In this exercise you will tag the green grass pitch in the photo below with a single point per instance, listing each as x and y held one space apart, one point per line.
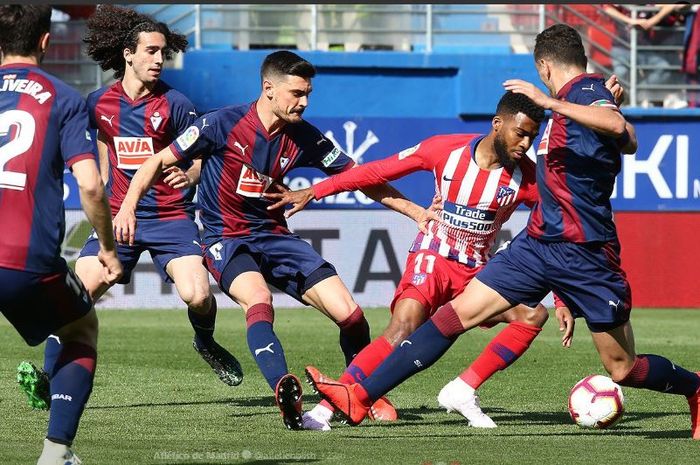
156 402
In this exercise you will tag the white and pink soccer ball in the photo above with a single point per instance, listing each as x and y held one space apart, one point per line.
596 402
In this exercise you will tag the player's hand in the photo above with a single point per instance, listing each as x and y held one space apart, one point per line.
566 325
518 86
297 199
177 178
111 267
124 226
615 88
432 213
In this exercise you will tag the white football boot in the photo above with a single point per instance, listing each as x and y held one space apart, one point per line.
458 396
318 418
57 454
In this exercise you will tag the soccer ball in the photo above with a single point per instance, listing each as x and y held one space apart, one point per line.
596 402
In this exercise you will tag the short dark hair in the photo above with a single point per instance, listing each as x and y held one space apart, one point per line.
286 63
562 44
512 104
21 27
111 29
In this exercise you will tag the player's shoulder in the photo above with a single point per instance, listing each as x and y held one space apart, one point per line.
62 91
589 89
173 95
95 96
528 167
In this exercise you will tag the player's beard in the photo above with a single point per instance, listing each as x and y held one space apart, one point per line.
499 144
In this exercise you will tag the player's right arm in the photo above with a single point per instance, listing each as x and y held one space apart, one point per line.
96 207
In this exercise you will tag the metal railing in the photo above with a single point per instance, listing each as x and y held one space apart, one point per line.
418 28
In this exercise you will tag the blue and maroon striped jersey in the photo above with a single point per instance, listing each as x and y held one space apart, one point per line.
241 160
135 130
576 171
43 127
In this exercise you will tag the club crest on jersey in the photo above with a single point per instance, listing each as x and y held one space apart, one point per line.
419 279
156 119
283 161
132 151
188 138
251 183
505 195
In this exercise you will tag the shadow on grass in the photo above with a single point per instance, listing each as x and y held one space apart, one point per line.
261 401
255 462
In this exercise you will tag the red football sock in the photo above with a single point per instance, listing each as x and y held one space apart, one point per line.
365 363
501 352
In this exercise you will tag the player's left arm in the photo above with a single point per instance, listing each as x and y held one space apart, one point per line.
603 119
391 198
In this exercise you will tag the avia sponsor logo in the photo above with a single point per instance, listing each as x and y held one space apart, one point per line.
463 217
251 183
132 151
24 86
65 397
665 174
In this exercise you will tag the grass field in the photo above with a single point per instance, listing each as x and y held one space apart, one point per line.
156 402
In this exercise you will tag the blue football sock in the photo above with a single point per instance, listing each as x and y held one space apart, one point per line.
418 352
71 385
660 374
52 349
267 352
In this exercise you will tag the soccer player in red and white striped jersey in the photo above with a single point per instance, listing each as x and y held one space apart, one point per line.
482 180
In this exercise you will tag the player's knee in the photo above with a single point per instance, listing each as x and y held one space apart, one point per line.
538 317
198 300
255 296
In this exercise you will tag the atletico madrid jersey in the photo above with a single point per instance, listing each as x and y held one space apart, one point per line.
476 201
133 131
43 127
576 171
241 161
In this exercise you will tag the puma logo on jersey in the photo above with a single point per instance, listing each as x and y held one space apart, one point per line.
588 88
267 348
613 304
109 120
240 147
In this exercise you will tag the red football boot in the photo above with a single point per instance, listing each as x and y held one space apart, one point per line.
694 402
339 395
383 410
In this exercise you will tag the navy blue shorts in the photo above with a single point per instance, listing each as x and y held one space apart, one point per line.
287 262
163 239
587 277
39 304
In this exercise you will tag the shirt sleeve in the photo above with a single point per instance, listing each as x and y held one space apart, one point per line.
75 139
206 135
182 113
600 96
377 172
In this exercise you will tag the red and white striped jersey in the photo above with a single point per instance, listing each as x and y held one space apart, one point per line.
477 201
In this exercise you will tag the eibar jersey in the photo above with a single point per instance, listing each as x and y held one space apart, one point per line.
476 201
576 171
241 161
43 127
135 130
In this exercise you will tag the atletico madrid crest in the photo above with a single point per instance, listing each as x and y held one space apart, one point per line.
505 195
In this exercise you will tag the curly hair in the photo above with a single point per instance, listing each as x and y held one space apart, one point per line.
512 104
111 29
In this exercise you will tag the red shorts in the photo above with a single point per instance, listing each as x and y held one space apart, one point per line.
432 280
